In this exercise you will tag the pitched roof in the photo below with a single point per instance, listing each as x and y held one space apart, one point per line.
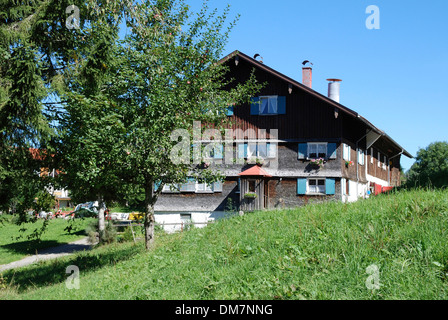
301 86
255 171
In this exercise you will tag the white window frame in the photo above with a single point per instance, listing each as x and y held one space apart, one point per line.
204 187
167 188
316 190
271 153
198 188
385 163
317 145
361 157
346 152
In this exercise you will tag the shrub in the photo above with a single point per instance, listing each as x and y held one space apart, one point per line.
109 235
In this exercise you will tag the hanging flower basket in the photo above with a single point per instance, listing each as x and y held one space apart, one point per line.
349 163
318 162
250 195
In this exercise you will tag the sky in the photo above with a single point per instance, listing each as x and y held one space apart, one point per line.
394 76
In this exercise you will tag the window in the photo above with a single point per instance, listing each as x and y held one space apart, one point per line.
170 188
371 155
251 185
361 157
214 151
257 150
203 186
192 186
379 159
385 163
316 186
317 150
345 186
346 152
268 105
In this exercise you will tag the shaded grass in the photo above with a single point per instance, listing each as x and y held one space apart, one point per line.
321 251
15 243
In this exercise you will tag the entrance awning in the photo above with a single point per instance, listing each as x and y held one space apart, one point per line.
255 171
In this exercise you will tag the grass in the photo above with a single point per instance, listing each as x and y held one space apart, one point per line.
321 251
15 242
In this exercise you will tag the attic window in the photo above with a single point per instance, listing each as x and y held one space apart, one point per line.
268 105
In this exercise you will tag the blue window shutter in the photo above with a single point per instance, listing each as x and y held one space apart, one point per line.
330 185
303 150
229 111
301 186
242 150
281 105
331 151
255 106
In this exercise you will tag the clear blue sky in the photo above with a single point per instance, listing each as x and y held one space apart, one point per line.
394 76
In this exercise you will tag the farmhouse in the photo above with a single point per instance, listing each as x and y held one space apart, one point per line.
293 145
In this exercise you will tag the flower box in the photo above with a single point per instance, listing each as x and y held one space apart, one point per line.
250 195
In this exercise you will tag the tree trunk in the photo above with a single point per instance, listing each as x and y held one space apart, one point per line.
149 216
101 220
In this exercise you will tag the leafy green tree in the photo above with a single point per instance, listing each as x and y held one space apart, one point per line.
167 78
431 167
37 54
44 201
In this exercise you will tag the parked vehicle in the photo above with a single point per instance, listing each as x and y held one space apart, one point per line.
88 209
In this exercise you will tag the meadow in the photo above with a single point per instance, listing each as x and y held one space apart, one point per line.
389 247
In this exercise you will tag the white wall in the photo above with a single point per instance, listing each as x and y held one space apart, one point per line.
356 191
172 221
376 180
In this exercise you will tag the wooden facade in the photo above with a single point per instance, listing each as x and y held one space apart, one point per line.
308 118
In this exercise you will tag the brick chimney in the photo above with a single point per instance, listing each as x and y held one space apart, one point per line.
307 74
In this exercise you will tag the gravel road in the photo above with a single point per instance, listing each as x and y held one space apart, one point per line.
50 253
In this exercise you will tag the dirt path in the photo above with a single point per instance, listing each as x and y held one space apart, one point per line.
50 253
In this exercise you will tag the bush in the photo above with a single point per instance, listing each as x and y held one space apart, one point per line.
109 235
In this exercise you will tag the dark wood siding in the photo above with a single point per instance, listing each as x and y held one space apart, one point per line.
306 116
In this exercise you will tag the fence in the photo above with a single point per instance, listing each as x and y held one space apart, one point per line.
182 224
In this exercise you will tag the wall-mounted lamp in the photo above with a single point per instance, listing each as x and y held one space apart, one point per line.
336 113
237 60
290 88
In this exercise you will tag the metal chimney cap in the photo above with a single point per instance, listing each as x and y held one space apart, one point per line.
334 80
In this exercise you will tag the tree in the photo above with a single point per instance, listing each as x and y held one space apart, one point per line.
89 128
431 167
169 77
37 54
